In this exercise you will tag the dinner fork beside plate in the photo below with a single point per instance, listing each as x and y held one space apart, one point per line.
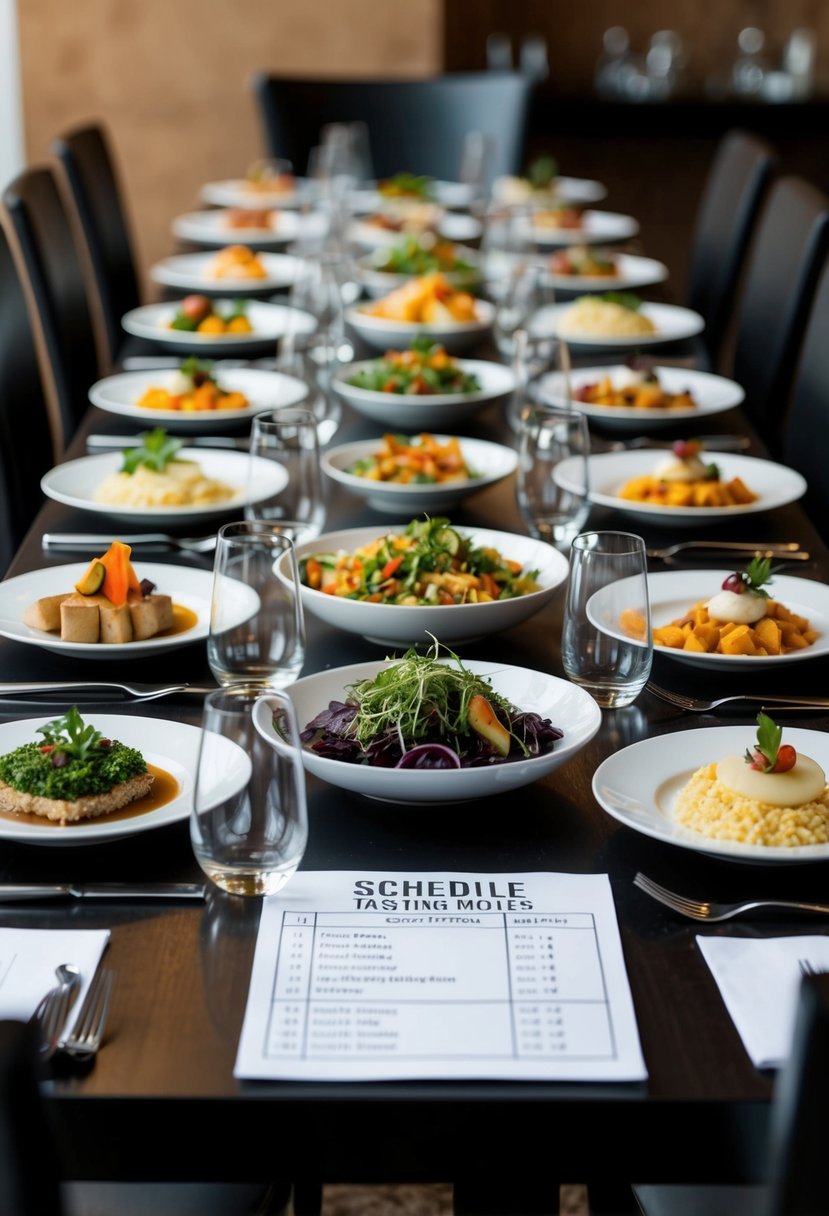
788 551
699 909
747 701
88 542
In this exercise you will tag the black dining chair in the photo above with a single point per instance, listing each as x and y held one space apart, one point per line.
59 283
413 125
87 161
796 1147
807 420
735 187
784 263
27 441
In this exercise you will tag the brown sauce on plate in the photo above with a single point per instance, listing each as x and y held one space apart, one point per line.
166 787
183 619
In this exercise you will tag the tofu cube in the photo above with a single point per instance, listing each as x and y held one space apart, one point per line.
116 623
80 619
151 614
45 613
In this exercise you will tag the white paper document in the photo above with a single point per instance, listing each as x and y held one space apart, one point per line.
28 958
759 981
378 976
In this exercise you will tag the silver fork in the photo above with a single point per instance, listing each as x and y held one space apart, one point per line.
88 1032
139 692
789 551
697 909
749 701
88 542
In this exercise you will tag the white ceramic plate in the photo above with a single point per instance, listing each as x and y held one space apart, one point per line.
638 786
775 485
459 336
713 394
673 324
491 461
566 705
189 588
579 190
193 272
269 321
168 745
674 592
598 227
212 228
631 272
236 192
74 483
452 226
397 411
400 625
456 195
264 390
381 282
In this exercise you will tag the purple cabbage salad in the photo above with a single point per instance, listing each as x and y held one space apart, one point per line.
426 714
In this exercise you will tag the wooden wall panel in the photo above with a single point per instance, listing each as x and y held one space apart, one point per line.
169 78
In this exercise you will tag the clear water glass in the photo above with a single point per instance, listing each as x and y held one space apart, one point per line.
289 437
526 290
257 628
553 498
606 641
249 824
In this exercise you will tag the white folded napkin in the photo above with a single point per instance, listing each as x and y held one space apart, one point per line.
759 981
28 958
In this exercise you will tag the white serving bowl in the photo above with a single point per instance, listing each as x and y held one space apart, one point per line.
458 336
566 705
491 461
410 412
395 625
269 321
379 282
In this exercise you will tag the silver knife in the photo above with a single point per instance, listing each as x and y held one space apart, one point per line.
14 892
115 443
95 543
710 443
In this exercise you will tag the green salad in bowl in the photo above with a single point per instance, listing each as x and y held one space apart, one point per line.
424 370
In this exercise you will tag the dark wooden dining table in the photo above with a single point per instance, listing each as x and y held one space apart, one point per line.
161 1101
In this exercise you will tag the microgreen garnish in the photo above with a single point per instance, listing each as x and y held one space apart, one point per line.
156 451
758 572
541 172
767 746
71 735
199 370
625 299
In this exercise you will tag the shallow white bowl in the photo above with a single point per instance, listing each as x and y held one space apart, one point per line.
74 483
380 282
398 411
269 321
491 461
212 228
598 227
264 390
638 786
190 588
566 705
401 625
713 394
456 195
673 324
236 192
775 484
192 272
459 336
562 189
452 227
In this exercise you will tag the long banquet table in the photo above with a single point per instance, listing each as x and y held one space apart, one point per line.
161 1101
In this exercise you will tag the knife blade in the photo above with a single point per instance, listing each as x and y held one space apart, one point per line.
115 443
15 892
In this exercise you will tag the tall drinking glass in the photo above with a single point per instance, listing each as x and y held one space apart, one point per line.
552 484
257 629
249 825
289 437
606 641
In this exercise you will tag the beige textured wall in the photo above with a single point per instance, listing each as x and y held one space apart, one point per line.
169 78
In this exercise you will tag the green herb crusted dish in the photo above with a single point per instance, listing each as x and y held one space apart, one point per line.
73 773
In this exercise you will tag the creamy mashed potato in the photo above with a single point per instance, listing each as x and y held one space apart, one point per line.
603 318
182 484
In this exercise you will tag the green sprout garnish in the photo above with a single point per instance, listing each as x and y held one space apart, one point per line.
758 572
625 299
542 172
70 734
769 735
156 451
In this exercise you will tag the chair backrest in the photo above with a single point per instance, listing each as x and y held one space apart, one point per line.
26 444
60 284
414 125
29 1164
734 190
86 159
807 421
784 264
800 1111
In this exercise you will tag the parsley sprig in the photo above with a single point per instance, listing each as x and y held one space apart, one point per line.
769 735
156 451
70 734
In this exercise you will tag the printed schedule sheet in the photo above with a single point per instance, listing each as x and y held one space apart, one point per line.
381 976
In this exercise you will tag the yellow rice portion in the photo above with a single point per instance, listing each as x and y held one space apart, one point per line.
710 808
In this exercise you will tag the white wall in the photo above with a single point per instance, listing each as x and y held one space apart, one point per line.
11 110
